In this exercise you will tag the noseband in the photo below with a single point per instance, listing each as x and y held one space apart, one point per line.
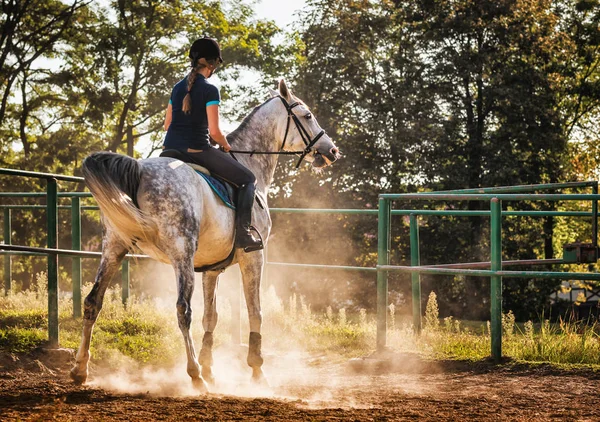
303 132
301 129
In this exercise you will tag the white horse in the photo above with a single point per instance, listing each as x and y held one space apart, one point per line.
168 211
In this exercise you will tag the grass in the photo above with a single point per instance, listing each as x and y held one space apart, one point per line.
147 332
21 340
561 343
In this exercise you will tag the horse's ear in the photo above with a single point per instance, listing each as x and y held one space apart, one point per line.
284 91
273 92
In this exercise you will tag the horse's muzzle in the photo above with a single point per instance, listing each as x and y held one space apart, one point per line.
319 161
332 155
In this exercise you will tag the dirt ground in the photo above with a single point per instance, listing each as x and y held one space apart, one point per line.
37 388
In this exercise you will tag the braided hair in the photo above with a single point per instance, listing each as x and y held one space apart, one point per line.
200 64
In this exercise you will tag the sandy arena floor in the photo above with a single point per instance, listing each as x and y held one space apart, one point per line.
35 388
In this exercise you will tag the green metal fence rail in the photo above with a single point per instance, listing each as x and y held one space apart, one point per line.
384 214
52 227
496 272
7 259
51 252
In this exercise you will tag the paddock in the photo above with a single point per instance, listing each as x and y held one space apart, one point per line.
390 385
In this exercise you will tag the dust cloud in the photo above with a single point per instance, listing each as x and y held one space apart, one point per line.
291 377
294 303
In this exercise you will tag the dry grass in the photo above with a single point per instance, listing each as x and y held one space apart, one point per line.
146 331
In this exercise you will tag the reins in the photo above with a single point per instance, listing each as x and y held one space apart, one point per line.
303 134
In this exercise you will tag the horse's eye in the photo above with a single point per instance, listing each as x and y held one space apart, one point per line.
308 116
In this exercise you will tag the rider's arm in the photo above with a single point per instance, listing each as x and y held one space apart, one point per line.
168 116
214 130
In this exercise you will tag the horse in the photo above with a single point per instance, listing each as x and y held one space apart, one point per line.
170 213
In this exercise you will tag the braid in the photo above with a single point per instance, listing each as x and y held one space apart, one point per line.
187 100
201 64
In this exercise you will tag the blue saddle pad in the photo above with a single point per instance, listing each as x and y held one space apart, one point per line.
220 189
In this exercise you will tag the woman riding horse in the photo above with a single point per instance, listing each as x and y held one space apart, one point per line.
193 116
170 213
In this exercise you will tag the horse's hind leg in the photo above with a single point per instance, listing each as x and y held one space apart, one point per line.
112 254
251 266
184 271
209 322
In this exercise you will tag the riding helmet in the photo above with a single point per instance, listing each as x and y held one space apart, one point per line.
205 47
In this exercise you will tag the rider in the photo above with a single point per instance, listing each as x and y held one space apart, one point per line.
193 115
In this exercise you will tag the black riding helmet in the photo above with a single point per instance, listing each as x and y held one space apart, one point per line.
205 47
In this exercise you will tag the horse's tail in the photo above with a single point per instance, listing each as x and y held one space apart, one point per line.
114 180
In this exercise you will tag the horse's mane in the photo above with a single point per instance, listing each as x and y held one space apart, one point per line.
233 136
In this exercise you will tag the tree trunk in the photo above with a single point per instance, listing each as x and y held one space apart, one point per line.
130 141
23 117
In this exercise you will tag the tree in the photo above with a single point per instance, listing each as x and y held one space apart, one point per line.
454 94
30 29
101 75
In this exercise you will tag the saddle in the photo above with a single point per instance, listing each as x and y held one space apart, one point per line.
222 188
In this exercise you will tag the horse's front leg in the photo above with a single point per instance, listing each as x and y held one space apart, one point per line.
184 272
209 322
251 266
112 255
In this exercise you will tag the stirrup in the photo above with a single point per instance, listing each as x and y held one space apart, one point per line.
257 245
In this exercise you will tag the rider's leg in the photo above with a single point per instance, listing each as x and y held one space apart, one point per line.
224 166
243 220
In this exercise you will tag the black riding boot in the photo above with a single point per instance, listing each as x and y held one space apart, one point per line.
244 237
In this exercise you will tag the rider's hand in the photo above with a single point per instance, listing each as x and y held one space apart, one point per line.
226 147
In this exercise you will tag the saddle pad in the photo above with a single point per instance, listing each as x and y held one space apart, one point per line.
198 168
219 188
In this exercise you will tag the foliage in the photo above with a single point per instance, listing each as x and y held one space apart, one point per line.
432 313
508 324
21 340
434 95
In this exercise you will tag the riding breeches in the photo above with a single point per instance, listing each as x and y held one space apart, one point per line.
223 165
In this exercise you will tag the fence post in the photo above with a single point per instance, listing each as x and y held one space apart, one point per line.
496 281
7 257
52 221
415 260
76 261
125 281
383 258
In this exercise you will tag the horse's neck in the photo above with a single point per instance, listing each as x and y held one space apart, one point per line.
258 132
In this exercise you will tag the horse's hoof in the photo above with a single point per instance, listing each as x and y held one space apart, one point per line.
258 378
77 378
207 375
200 385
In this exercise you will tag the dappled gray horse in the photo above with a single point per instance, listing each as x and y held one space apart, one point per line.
167 210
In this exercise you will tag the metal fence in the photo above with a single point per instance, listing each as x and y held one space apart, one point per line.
384 214
495 196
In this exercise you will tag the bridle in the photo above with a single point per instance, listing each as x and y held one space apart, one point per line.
303 134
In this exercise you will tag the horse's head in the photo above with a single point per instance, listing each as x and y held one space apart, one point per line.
302 131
